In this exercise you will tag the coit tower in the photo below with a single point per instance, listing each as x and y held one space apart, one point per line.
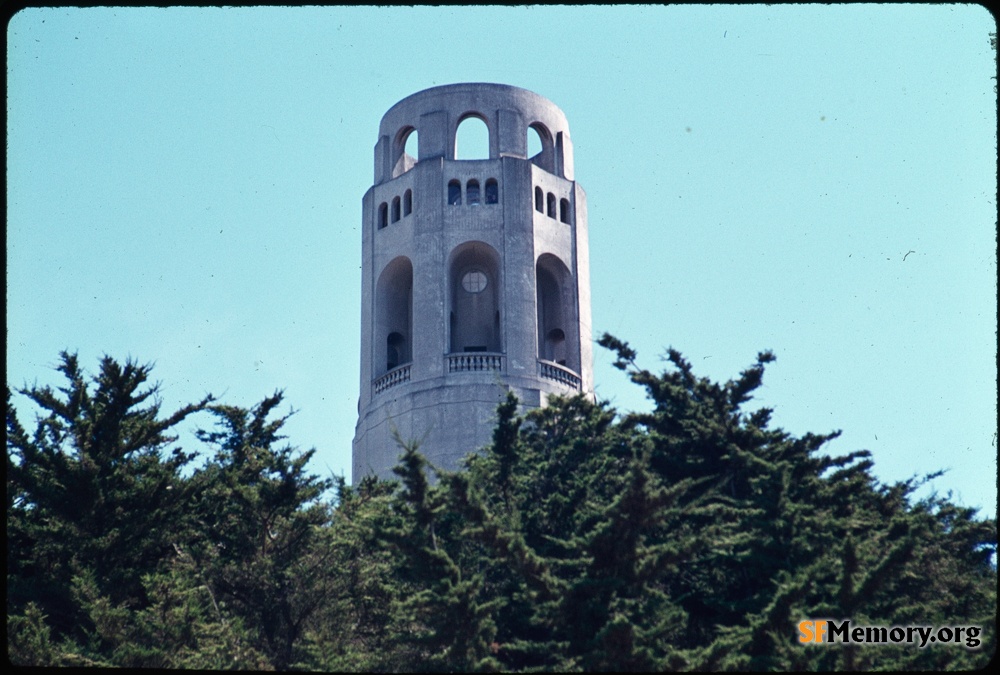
475 274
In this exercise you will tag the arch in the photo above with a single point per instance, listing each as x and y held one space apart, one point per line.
393 337
564 210
395 209
556 307
454 192
551 201
407 203
472 137
472 192
534 143
539 200
404 150
383 215
474 298
492 191
411 144
539 136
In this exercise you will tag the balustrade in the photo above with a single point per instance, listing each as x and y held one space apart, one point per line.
559 373
392 378
474 361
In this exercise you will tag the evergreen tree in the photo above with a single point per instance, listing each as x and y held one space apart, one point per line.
92 493
826 539
352 631
690 537
261 528
443 619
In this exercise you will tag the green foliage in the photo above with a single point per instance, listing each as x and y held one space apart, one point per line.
691 537
259 526
352 629
92 490
443 622
29 639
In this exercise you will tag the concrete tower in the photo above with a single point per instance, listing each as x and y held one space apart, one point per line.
475 274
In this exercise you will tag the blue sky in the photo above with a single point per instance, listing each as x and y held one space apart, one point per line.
184 187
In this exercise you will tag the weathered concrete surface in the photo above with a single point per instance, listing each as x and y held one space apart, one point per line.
468 290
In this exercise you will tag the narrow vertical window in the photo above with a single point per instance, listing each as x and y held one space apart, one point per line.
539 200
552 205
408 202
564 210
383 215
395 209
454 193
492 191
472 192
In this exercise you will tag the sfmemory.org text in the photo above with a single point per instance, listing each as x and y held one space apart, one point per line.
828 631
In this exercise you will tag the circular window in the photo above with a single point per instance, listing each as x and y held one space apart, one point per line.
474 281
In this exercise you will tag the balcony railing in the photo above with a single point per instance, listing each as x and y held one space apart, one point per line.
474 361
392 378
559 373
467 362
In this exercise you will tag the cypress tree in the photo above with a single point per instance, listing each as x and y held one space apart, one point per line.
93 492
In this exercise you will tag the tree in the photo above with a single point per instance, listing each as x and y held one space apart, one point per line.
261 528
444 621
826 539
92 492
690 537
352 631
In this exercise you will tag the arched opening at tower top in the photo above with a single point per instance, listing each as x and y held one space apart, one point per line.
405 150
412 145
472 138
540 147
534 142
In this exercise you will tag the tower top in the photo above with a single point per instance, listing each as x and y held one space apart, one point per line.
508 112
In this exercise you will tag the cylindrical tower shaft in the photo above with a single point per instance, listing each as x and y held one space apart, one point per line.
475 274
